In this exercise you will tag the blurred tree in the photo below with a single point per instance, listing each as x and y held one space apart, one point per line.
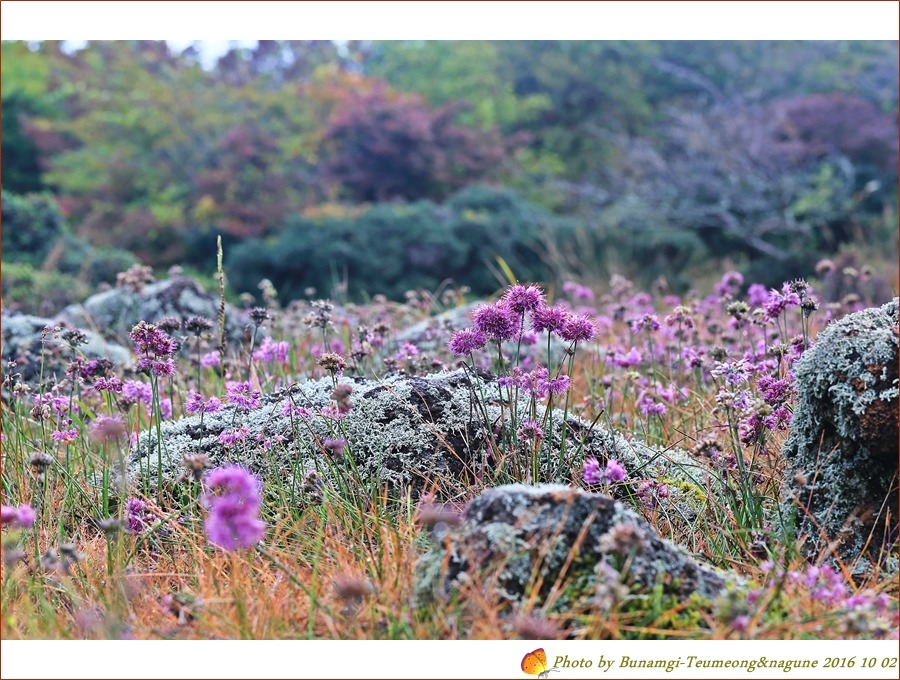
154 148
449 71
380 145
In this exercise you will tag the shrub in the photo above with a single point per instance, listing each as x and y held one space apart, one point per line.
392 248
37 292
31 225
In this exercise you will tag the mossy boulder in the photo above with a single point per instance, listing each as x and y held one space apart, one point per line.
406 431
114 312
561 545
842 448
24 343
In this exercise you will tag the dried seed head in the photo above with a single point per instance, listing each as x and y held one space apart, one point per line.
258 315
352 589
533 627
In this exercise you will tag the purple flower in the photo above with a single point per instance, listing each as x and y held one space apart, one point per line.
577 291
23 516
647 322
778 301
734 372
150 340
467 341
650 407
137 391
578 328
233 498
156 348
270 351
137 516
210 360
196 404
156 366
773 390
590 471
614 471
233 435
243 395
521 299
729 283
534 382
165 408
107 428
111 384
630 358
65 436
529 430
550 319
757 295
497 322
291 409
529 338
558 385
335 446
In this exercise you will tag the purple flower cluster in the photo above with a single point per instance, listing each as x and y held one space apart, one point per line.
497 322
155 348
243 395
550 319
22 516
111 384
521 299
210 360
233 435
529 430
270 351
60 404
233 499
196 404
778 301
577 292
335 446
591 473
467 341
136 391
137 516
537 382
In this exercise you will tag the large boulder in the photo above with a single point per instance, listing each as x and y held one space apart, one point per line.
408 431
534 543
46 355
842 450
114 312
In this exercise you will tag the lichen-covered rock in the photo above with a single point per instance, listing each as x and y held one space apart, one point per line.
114 313
404 431
24 343
433 333
843 441
537 542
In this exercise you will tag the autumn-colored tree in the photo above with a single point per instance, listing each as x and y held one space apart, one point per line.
381 145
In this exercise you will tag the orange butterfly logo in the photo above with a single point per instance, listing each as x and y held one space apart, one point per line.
535 663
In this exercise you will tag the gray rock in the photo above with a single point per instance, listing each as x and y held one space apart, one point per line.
434 333
563 546
409 431
23 343
843 440
113 313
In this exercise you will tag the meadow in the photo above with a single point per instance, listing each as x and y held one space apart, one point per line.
94 549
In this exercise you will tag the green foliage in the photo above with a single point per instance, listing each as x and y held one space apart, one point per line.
394 248
449 71
31 224
34 291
